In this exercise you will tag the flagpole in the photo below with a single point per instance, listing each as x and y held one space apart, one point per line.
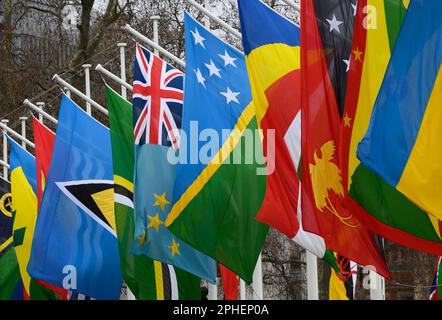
80 94
242 289
23 130
213 290
5 149
16 135
87 79
4 164
258 292
377 286
113 77
223 24
122 46
312 276
293 5
40 105
207 21
41 113
156 36
152 44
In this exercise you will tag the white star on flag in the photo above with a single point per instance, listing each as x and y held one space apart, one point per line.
230 96
199 77
228 59
198 38
213 69
334 24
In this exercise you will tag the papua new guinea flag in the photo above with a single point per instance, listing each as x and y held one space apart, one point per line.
75 244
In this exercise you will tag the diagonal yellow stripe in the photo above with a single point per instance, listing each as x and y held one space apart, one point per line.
123 182
5 244
159 280
216 162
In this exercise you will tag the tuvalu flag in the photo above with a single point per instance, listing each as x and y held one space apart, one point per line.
323 195
75 245
401 144
219 179
146 278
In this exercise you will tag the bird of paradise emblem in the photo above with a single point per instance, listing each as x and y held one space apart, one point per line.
326 178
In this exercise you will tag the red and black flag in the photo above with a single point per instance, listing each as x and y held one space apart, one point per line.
326 37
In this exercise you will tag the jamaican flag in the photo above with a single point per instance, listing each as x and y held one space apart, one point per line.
146 278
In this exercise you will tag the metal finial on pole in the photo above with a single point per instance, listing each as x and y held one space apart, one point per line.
5 150
87 78
156 36
40 105
23 130
122 46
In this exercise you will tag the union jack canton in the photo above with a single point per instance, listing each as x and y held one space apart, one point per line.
157 100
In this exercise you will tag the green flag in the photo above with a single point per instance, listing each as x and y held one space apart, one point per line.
146 278
9 275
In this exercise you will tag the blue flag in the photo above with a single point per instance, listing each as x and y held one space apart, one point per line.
75 245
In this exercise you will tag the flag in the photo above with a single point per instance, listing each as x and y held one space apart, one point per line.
144 277
272 49
230 283
23 190
400 145
75 245
437 282
342 284
323 192
220 181
9 275
409 226
272 53
44 140
6 211
157 107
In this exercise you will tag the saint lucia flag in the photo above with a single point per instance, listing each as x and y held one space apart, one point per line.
75 244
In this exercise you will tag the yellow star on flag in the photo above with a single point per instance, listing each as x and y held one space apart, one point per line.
357 54
142 239
347 120
174 248
155 222
161 201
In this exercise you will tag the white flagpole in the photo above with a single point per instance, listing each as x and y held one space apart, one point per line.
67 92
207 21
40 105
113 77
213 291
41 113
122 47
80 94
4 126
5 150
293 5
377 286
23 130
242 289
258 292
87 79
152 44
312 276
217 20
156 36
